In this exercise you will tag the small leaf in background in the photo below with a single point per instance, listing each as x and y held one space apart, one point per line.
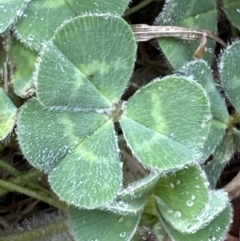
102 225
103 6
221 157
230 73
22 66
91 175
218 200
134 197
214 231
48 136
9 11
8 113
232 10
194 14
154 122
183 196
32 30
93 73
202 74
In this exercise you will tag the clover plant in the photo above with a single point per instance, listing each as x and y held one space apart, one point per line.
75 127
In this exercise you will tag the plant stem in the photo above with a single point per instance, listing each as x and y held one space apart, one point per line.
28 178
31 193
38 233
137 7
13 171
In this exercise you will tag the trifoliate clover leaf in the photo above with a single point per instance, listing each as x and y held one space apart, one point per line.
74 137
68 130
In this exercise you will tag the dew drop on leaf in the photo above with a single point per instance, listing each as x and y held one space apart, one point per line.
120 219
178 214
30 37
122 234
190 203
217 229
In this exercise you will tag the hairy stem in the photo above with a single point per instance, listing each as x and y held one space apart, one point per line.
40 196
38 233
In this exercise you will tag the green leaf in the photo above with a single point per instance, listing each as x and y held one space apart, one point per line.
8 113
183 196
47 136
22 61
230 73
102 225
167 122
232 10
195 14
91 175
91 74
218 200
135 195
214 231
202 74
103 6
32 29
9 11
221 157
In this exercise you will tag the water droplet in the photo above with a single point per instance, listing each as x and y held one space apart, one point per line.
178 182
238 10
178 214
190 203
122 204
217 229
212 238
122 234
172 185
120 219
193 197
30 37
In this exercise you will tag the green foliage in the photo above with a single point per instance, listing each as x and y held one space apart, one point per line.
38 15
10 11
23 61
202 74
106 225
230 73
195 14
232 9
8 113
78 68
